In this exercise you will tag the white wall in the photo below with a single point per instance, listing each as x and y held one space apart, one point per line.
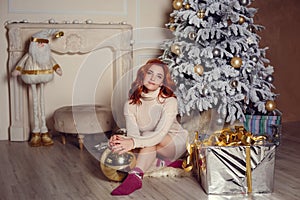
146 16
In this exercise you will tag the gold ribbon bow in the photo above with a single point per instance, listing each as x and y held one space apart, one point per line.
233 137
187 164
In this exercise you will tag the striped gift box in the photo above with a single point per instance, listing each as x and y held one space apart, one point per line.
223 169
263 124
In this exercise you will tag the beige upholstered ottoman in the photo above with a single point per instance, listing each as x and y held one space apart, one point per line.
81 120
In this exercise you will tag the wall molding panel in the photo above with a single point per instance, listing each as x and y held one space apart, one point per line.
95 7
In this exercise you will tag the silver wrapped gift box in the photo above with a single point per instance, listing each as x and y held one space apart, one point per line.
223 170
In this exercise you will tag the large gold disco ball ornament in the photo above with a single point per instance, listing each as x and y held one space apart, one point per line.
113 164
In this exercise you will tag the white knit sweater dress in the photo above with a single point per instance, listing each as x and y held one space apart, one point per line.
148 123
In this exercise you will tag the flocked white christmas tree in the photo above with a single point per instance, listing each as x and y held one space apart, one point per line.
216 61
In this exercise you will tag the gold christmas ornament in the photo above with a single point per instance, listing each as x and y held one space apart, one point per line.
112 163
201 14
199 69
216 52
234 83
236 62
254 58
172 28
171 19
187 6
241 20
192 35
270 105
177 4
175 49
251 28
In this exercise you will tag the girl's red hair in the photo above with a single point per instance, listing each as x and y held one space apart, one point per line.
137 87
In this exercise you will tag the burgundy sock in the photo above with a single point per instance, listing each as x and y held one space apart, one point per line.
132 182
176 164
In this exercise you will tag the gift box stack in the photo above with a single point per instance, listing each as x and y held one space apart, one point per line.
269 125
233 161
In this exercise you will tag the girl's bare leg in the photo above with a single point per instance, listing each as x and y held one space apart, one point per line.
147 156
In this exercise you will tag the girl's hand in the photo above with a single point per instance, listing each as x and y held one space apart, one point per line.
113 141
120 144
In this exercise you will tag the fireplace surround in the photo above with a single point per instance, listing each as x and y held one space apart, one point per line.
78 39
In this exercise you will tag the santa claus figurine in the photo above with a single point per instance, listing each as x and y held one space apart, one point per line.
36 68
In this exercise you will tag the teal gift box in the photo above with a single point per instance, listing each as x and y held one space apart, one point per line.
269 125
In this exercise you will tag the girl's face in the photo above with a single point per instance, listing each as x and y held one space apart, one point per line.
154 77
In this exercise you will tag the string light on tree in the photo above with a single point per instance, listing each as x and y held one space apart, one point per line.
220 121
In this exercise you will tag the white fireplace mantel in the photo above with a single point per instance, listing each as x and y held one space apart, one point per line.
78 39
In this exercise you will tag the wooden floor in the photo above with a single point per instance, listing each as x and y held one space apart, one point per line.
64 172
